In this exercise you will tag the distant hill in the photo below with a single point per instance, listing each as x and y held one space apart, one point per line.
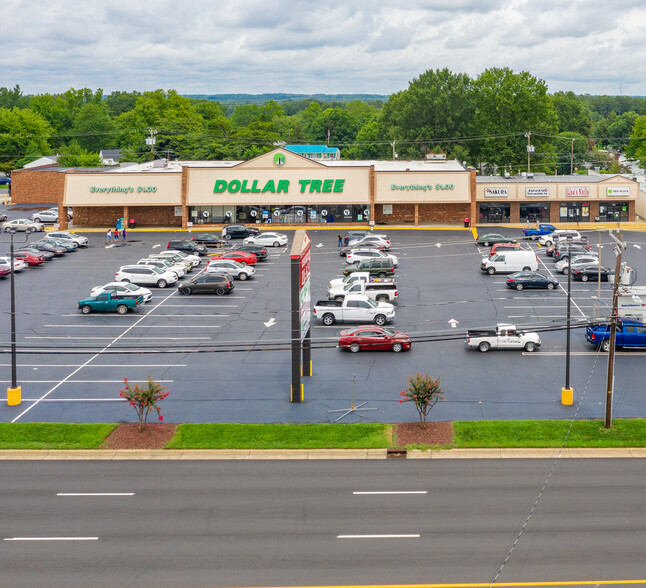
279 97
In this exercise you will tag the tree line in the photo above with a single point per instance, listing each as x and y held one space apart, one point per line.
487 122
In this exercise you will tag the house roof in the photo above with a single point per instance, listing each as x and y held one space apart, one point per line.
311 149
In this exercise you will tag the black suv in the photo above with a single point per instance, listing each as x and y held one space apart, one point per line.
375 267
239 231
186 246
207 284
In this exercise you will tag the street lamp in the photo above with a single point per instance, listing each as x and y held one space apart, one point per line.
567 393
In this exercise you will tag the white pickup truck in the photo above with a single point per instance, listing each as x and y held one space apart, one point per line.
349 279
379 289
503 337
356 308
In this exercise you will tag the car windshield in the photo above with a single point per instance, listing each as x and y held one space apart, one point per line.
388 332
371 302
130 286
156 269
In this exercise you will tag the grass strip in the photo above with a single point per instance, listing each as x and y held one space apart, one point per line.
589 433
53 435
253 436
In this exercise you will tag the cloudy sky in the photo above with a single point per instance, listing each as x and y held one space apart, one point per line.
303 46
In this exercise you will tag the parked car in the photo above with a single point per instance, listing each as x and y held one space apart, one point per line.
45 216
629 333
49 245
354 308
502 337
562 252
124 289
239 231
4 271
495 248
69 245
490 239
206 284
535 233
144 274
510 261
522 280
18 264
376 241
109 302
562 245
244 257
374 338
29 258
187 246
23 225
80 240
238 270
70 212
208 239
340 283
357 255
46 255
343 251
557 235
381 268
3 217
267 240
562 264
359 234
165 264
591 273
260 252
188 260
379 289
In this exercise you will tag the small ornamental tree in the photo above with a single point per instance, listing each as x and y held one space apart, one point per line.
425 392
144 398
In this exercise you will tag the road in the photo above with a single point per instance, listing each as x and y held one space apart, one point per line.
287 523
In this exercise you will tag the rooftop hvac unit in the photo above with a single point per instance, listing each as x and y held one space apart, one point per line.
160 163
435 157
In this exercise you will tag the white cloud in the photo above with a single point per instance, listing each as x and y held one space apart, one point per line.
359 46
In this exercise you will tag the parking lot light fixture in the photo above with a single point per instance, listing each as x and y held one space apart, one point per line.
567 392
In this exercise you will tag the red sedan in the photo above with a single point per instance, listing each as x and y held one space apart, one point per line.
29 258
244 257
372 337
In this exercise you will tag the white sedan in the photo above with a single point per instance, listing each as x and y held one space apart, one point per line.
374 240
357 255
18 264
562 264
267 239
123 288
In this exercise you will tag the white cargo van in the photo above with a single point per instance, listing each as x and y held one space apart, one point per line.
510 261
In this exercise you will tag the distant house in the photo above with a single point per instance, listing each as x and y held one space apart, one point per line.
46 161
316 152
111 156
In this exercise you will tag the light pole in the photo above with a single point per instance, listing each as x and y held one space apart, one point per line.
567 393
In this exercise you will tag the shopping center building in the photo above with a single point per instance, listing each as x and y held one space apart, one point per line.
281 187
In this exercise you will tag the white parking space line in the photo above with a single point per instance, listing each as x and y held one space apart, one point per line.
555 305
75 400
138 326
129 316
95 494
394 492
51 539
99 365
198 306
79 381
561 353
413 536
122 338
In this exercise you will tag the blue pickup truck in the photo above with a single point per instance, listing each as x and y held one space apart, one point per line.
541 230
629 334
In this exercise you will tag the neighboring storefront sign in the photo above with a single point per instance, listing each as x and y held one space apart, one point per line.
618 191
422 187
577 191
123 189
496 192
537 192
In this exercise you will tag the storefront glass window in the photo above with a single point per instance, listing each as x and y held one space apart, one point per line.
534 212
277 214
613 211
494 212
574 211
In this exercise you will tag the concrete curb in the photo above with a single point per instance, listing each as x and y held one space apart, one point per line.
313 454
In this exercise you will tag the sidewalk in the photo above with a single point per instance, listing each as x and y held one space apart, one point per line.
313 454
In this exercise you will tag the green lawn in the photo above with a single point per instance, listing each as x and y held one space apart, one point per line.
623 433
251 436
53 435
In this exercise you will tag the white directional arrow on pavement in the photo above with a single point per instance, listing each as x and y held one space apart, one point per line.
454 323
155 246
637 246
438 244
271 322
320 245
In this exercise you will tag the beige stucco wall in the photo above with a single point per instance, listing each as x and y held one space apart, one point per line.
91 189
432 187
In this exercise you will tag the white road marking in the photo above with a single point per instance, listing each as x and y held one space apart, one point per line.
271 322
123 338
395 492
138 326
414 536
78 381
100 365
51 539
547 353
197 306
95 494
75 400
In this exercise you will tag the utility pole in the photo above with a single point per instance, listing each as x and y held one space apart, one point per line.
393 146
572 157
613 326
530 149
567 393
151 140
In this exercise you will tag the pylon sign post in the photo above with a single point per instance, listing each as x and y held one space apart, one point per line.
301 313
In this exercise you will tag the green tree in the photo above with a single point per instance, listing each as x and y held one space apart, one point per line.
571 150
120 102
22 133
93 127
572 115
425 392
369 144
73 155
13 98
334 126
636 149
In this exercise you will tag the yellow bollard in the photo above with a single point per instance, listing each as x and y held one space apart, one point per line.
14 396
567 396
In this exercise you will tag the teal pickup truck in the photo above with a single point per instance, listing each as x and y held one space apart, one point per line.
110 302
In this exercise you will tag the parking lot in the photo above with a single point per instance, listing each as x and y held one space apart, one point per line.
226 358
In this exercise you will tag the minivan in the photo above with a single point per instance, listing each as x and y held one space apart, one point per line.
508 262
375 267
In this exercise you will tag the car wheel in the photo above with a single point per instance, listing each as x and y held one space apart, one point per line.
529 347
328 319
550 286
533 237
526 269
338 298
186 291
242 276
354 347
219 291
382 298
548 243
566 271
227 237
85 309
380 320
519 286
161 283
491 271
7 229
486 244
584 278
381 275
122 309
484 346
397 347
605 346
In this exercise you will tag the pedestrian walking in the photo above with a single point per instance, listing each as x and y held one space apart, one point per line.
340 240
108 237
123 234
116 235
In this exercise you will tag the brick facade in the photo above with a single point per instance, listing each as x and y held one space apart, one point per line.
423 213
37 186
106 216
